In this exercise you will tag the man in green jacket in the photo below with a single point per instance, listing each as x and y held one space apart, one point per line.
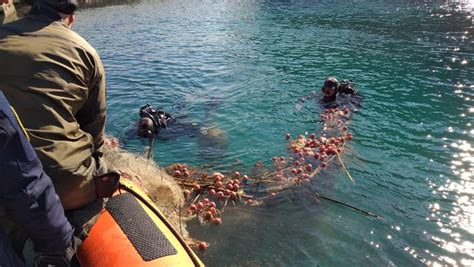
56 82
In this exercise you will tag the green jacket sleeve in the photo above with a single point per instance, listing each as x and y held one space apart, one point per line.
91 117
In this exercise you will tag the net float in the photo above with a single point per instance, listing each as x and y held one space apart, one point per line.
203 246
220 195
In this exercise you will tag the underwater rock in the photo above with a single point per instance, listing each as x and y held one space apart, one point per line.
213 143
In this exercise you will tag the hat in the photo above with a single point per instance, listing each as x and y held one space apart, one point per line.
330 82
53 7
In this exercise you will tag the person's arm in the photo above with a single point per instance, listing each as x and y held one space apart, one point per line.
92 115
26 192
300 102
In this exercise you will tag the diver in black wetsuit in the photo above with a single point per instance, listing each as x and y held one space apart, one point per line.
341 94
334 94
331 88
152 121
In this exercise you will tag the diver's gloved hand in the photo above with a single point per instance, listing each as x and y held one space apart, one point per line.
66 258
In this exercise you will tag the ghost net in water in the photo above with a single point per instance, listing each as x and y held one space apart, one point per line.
208 194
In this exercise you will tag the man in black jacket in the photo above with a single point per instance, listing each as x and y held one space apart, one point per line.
28 198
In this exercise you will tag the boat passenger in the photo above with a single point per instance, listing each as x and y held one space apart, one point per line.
28 198
56 82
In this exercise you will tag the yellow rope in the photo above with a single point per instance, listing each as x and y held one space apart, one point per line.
344 167
19 123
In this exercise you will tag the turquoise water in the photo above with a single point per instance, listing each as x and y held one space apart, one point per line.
241 65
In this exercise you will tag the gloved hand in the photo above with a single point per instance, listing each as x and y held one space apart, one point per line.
9 11
63 259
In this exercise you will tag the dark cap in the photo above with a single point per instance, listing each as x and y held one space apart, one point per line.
330 82
53 7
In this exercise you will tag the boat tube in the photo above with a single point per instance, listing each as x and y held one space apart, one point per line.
132 231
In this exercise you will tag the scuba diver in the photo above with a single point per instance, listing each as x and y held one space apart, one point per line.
157 124
152 121
340 94
331 88
150 124
334 94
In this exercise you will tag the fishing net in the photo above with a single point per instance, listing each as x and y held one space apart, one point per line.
207 194
153 180
184 192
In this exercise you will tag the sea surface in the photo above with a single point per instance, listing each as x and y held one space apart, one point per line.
232 72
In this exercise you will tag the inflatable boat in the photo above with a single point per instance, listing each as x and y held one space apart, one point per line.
131 231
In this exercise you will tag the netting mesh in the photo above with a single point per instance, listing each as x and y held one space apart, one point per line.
155 182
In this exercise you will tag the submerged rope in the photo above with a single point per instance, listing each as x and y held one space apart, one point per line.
344 167
317 195
150 148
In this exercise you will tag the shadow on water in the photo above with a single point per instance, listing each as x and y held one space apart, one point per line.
22 8
85 4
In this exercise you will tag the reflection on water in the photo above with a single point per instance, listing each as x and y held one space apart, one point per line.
459 210
412 153
454 212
